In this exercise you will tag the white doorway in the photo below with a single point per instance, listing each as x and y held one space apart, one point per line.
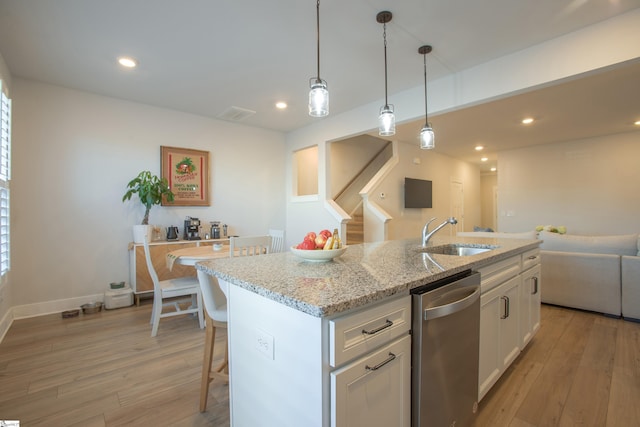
495 208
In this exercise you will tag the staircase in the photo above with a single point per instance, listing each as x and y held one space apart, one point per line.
355 227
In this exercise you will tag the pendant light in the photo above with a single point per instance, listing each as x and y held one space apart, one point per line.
386 119
427 137
319 95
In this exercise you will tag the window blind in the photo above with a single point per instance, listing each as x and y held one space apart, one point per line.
5 177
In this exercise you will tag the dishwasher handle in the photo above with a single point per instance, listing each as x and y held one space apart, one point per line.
471 294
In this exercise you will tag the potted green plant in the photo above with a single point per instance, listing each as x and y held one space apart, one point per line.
150 190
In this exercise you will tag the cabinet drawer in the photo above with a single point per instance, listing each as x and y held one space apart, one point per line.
355 334
374 390
494 274
530 258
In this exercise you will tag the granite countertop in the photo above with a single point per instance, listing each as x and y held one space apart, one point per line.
363 274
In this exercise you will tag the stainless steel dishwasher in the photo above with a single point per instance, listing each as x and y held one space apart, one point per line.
445 347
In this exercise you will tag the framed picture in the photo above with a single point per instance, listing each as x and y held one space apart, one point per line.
187 172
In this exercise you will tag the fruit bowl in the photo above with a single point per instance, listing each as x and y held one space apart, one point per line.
318 255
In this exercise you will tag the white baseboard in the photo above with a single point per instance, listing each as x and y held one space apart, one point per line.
5 323
42 308
56 306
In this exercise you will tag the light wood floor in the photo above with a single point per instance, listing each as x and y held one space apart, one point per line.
580 369
106 370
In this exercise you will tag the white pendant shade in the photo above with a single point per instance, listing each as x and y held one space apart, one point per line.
318 99
386 121
427 138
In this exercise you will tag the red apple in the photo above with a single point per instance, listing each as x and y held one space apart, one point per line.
307 245
320 241
326 234
310 236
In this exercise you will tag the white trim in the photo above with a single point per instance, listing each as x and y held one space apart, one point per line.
6 323
304 199
52 307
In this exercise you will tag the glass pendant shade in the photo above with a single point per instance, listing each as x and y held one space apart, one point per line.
427 138
318 99
386 121
318 95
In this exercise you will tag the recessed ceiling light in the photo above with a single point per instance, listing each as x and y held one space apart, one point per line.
479 148
527 121
281 105
128 62
493 169
484 159
637 123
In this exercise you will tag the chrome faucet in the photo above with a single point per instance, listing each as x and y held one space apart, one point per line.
426 235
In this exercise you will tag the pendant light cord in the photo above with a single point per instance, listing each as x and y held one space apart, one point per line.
426 114
318 80
384 36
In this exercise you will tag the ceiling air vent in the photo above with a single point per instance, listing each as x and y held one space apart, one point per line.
235 114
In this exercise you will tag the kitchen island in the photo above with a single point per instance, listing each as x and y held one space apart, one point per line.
295 329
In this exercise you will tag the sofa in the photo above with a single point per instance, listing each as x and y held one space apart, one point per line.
595 273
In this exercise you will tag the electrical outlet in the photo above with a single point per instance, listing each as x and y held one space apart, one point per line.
265 344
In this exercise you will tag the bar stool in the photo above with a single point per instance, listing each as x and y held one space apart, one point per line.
215 304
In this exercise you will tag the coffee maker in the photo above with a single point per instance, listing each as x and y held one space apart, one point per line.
191 228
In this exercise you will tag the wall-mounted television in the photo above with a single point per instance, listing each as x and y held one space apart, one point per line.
417 193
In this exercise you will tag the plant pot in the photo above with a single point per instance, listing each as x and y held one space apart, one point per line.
139 231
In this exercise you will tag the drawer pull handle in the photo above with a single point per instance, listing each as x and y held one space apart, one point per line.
532 257
388 324
506 307
381 364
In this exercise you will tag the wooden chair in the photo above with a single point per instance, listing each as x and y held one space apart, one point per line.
215 304
277 240
249 246
172 288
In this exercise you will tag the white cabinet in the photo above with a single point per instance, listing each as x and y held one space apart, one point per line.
499 332
530 304
509 314
374 390
281 369
371 350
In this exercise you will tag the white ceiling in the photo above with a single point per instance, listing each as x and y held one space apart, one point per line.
203 57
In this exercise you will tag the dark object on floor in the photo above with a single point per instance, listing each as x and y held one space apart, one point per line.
91 308
70 313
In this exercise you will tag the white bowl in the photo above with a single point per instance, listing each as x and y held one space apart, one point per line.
217 246
318 255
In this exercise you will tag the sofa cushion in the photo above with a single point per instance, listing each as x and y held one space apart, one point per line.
630 267
582 280
624 244
531 235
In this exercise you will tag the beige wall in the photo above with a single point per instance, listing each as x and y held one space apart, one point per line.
5 75
73 154
348 157
591 186
441 170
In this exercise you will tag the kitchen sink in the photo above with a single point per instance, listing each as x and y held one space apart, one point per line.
458 250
